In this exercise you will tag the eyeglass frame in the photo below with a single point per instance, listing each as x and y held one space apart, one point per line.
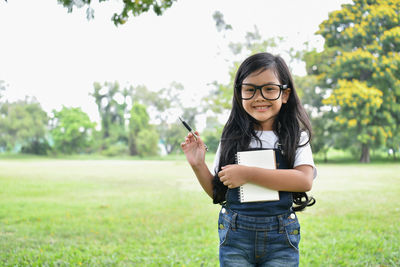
259 87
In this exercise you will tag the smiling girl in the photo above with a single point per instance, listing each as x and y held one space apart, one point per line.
266 114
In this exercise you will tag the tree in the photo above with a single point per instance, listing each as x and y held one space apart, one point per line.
166 105
311 96
147 142
173 133
357 105
220 98
72 130
130 7
23 126
112 103
362 46
220 22
143 139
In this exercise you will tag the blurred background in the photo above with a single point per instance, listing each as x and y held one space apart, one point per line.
110 77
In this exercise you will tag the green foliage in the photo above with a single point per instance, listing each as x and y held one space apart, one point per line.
139 118
309 93
173 134
114 149
125 115
311 97
157 100
147 142
212 133
23 124
357 105
220 22
130 8
112 104
220 98
143 139
361 46
72 130
212 139
169 106
38 147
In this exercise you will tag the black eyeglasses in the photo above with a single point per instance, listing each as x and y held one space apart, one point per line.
268 91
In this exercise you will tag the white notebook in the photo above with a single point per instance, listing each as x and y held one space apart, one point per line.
262 159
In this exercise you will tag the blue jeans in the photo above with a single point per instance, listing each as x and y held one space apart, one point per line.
258 241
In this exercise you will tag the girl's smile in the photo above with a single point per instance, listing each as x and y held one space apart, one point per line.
264 111
261 107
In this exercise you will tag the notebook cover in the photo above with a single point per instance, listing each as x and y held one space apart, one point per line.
257 158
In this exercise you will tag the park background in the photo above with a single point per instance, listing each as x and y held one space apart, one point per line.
92 173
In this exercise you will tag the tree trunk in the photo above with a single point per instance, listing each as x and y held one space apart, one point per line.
132 145
365 154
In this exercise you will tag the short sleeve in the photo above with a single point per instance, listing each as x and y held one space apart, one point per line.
304 154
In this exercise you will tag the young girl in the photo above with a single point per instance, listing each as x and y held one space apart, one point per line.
266 114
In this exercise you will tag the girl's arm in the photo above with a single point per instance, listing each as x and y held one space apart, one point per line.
195 154
299 179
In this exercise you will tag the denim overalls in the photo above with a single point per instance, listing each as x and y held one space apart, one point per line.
259 233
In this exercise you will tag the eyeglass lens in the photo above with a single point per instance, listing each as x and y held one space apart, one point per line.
269 91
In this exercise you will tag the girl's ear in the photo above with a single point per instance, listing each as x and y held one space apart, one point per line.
285 95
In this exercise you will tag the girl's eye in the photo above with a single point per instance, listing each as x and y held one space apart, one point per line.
248 89
270 88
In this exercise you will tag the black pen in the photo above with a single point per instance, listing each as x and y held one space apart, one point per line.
191 130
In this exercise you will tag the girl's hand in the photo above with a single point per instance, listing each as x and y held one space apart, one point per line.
194 150
233 175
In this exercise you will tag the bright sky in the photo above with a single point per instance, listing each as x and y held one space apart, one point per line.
56 56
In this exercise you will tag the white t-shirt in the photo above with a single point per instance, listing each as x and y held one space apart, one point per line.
270 140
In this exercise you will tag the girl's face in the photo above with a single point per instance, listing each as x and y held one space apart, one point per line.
264 111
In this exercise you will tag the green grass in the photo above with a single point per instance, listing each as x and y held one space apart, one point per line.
60 212
21 156
346 157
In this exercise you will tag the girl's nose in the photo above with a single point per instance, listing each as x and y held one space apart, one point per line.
258 95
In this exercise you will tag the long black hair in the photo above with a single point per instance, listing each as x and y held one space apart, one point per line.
239 130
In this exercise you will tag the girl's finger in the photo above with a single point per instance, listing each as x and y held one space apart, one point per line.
190 137
226 166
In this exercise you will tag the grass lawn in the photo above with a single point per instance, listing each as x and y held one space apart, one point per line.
59 212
